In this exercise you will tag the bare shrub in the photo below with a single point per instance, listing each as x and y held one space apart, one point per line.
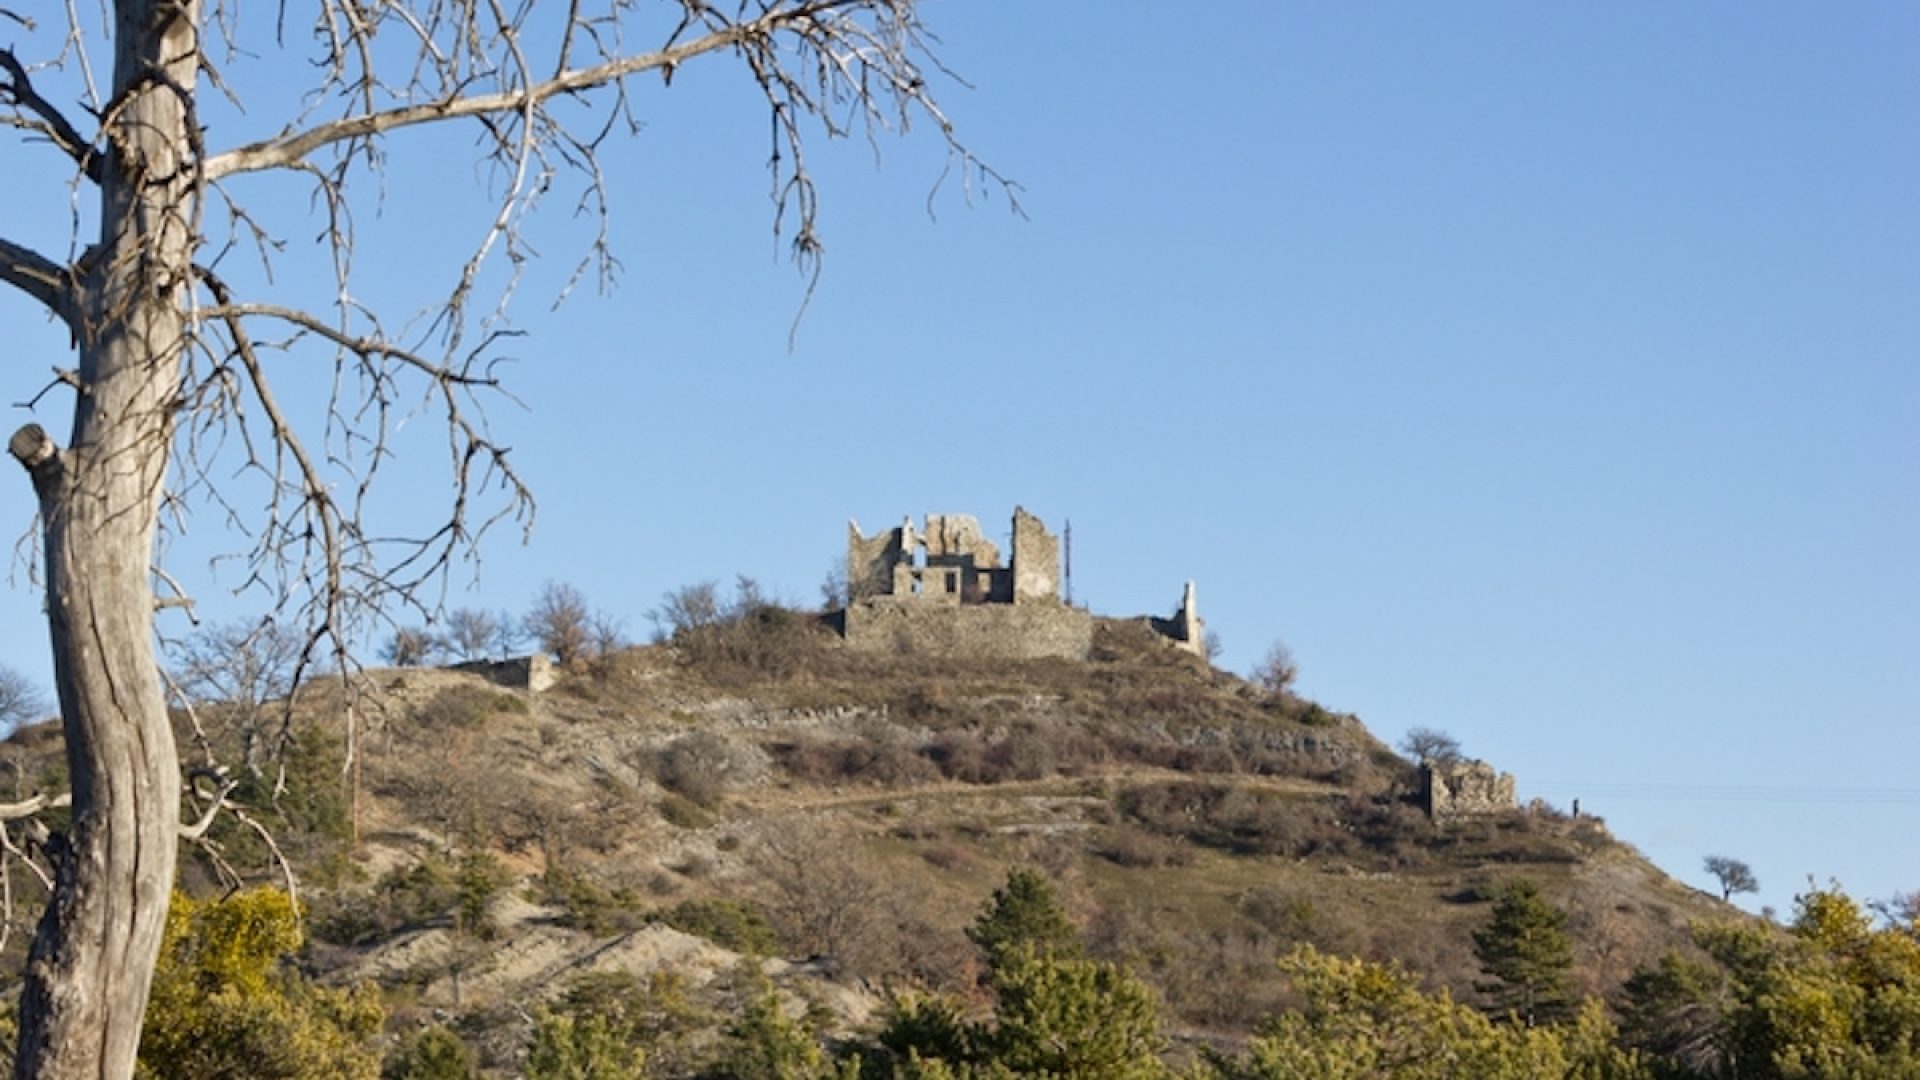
1021 757
1282 913
960 755
949 857
1276 672
821 892
1239 819
883 763
412 646
464 707
1132 846
829 899
687 610
704 765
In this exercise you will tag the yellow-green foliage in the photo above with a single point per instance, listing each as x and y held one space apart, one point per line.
226 1003
1836 999
1365 1021
1070 1019
584 1047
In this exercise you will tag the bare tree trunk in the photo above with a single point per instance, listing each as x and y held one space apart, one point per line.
93 956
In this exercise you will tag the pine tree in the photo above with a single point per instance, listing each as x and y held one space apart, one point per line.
1065 1018
1024 911
1525 949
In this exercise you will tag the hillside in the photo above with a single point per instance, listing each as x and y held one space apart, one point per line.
844 816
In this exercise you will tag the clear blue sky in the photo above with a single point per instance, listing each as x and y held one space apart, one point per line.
1547 376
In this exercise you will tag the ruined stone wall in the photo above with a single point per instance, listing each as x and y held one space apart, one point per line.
871 560
1003 631
1036 560
1184 628
956 540
1464 789
534 673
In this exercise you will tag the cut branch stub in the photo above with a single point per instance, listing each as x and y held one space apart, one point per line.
34 449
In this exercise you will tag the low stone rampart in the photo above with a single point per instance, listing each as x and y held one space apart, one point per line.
999 631
534 673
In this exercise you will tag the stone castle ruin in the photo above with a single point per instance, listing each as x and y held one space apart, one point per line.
1450 790
943 591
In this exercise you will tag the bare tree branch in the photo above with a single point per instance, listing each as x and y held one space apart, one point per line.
37 276
28 807
16 89
175 407
293 147
215 800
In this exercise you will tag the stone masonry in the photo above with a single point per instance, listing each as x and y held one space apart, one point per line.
941 591
533 673
1458 789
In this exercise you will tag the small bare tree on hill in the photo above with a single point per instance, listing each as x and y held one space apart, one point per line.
471 632
1277 670
562 622
412 646
1733 875
176 396
240 674
21 700
1427 746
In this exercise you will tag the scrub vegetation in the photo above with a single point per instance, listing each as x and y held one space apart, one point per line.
743 851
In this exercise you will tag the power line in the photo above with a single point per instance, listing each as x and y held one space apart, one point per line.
1647 791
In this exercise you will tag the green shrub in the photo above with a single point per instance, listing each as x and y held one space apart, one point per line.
432 1054
683 813
730 924
227 1002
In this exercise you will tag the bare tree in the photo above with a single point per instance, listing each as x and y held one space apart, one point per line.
234 673
562 622
471 632
1734 876
1901 911
1427 745
509 635
412 646
178 336
21 700
1277 670
687 609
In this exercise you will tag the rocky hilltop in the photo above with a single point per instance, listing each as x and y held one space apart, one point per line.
755 790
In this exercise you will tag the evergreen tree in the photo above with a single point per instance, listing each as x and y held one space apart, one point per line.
763 1043
1676 1012
1525 950
1064 1018
1024 911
